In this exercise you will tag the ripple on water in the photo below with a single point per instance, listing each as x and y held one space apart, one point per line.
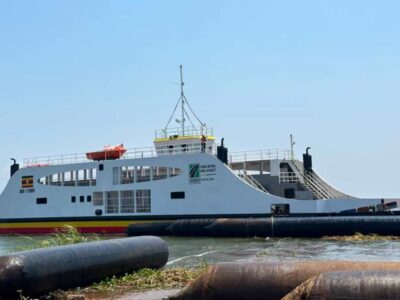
189 252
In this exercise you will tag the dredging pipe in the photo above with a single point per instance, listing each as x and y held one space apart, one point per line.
272 280
360 285
38 271
274 226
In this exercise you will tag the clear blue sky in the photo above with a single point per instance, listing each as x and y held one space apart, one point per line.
77 75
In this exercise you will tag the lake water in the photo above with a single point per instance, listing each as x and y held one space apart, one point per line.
193 251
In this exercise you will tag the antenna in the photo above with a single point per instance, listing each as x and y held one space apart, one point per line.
292 143
182 103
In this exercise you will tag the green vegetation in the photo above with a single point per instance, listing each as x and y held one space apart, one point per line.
141 280
147 279
359 237
66 235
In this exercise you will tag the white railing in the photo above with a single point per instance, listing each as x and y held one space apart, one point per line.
188 149
288 177
81 157
188 131
129 154
259 155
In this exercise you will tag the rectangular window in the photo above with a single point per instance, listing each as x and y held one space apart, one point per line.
143 174
81 198
127 202
116 175
174 172
69 178
143 201
41 200
98 198
177 195
83 177
101 167
89 198
93 176
127 174
73 199
112 202
159 173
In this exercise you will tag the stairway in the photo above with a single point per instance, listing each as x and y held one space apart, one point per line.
320 191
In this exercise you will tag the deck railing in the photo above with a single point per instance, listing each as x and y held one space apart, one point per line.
129 154
188 131
259 155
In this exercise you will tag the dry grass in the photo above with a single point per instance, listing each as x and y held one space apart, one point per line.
359 237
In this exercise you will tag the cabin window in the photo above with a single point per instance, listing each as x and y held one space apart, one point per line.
127 174
89 198
83 177
112 202
177 195
127 201
143 174
98 199
174 172
101 167
143 201
41 200
159 173
116 175
73 199
82 199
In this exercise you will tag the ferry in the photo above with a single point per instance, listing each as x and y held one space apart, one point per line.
187 174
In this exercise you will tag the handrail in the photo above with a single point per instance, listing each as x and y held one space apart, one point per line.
189 131
308 180
131 153
257 155
253 182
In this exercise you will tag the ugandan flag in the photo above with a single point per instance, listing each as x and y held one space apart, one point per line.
27 182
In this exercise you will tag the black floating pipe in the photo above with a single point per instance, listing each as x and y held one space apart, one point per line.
191 227
360 285
152 228
38 271
274 226
269 280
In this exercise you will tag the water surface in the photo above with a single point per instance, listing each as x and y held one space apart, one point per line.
193 251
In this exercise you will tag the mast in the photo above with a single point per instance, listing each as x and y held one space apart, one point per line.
182 103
